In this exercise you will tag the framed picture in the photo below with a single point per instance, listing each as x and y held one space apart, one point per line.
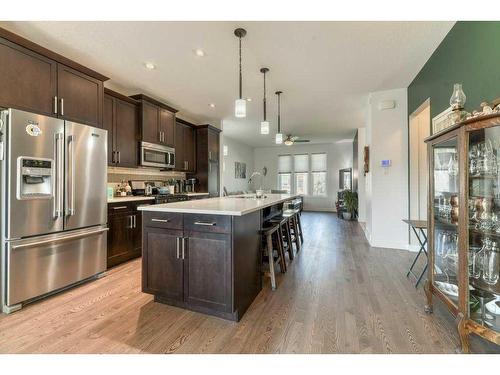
240 170
366 160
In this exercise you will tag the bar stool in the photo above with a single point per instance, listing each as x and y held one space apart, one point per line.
286 236
294 227
270 237
299 224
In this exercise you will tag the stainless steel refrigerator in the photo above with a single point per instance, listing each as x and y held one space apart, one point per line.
53 205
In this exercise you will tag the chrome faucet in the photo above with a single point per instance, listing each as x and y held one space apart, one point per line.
256 174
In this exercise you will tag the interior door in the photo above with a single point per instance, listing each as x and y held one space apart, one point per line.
34 137
85 175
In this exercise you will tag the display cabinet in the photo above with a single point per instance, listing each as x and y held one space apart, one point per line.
464 225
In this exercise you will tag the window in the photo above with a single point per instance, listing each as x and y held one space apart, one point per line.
301 169
295 172
318 174
285 173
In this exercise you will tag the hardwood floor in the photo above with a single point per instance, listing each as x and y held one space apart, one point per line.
339 296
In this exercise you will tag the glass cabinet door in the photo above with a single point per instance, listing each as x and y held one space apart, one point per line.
445 198
484 227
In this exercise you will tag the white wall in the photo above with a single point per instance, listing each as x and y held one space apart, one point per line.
339 156
361 175
237 151
386 190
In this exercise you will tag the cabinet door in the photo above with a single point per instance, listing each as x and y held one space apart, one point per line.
126 118
162 268
213 145
179 146
29 81
213 179
190 148
207 270
167 127
80 96
119 244
150 128
108 124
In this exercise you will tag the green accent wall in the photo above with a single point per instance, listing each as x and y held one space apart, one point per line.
469 54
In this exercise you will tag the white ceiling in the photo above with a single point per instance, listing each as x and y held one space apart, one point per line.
325 69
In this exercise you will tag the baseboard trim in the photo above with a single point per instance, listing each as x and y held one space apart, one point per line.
319 209
389 244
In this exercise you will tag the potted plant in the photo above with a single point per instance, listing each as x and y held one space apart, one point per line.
171 185
351 205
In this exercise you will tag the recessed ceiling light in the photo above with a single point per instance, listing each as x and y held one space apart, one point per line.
150 66
211 105
249 99
199 52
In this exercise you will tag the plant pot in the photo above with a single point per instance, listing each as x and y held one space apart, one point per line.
346 215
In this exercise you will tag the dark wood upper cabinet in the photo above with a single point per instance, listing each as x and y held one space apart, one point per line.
126 115
167 127
29 80
207 159
185 146
121 120
80 96
38 80
150 123
157 121
108 124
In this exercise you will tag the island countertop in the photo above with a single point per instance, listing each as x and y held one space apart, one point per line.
233 205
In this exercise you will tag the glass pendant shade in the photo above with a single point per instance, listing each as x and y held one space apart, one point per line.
240 108
457 100
264 127
279 138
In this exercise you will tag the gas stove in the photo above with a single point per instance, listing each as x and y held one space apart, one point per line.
169 198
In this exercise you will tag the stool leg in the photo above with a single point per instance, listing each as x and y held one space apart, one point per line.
281 251
271 261
300 228
296 233
289 239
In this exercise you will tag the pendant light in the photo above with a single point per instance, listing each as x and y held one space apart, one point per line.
240 105
279 135
264 125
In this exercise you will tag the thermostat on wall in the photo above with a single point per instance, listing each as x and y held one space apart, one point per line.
385 163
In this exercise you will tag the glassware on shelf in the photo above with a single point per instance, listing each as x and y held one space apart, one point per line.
474 270
491 264
457 100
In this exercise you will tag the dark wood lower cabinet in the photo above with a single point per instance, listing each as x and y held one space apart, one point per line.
205 263
125 232
165 276
207 266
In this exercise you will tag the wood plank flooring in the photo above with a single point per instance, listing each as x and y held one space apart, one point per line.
339 296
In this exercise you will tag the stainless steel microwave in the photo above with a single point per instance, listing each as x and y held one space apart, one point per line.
158 156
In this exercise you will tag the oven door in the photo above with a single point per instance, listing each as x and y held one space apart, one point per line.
156 155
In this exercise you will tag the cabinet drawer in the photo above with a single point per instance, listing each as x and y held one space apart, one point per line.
207 223
166 220
119 207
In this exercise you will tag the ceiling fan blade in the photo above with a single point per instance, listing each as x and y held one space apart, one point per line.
302 140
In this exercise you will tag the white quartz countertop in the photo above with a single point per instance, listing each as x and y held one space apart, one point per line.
129 199
235 205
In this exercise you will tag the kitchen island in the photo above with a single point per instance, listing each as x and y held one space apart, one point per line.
205 255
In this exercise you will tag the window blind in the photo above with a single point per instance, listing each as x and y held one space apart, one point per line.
285 163
301 163
318 163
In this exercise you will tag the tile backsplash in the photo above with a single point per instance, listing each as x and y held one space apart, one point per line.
117 174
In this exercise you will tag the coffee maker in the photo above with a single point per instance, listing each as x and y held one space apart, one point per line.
190 184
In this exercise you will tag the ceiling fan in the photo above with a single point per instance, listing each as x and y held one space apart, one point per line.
290 140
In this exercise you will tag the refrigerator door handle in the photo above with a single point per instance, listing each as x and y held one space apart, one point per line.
70 173
61 239
58 188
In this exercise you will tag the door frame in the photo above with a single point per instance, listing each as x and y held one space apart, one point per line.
423 106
